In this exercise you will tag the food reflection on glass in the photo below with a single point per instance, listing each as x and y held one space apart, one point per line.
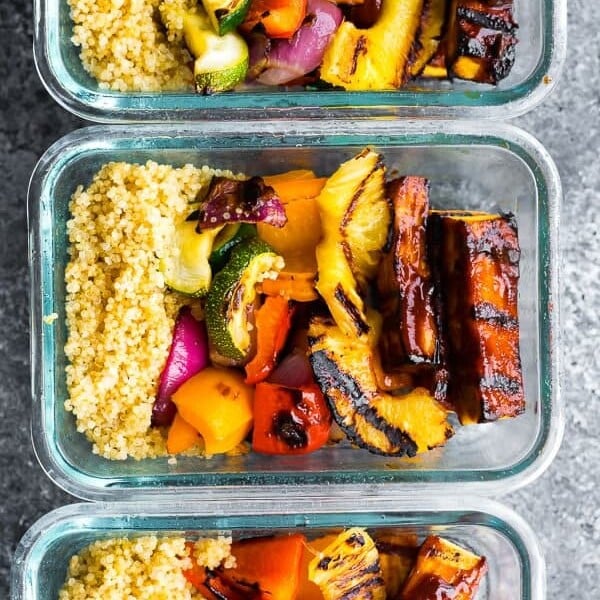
213 313
219 45
352 563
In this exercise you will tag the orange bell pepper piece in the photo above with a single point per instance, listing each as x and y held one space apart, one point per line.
273 322
293 286
271 563
295 174
297 239
295 185
279 18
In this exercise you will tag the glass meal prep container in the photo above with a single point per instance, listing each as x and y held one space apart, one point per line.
473 166
540 53
516 567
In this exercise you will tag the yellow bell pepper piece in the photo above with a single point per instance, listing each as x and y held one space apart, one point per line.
182 436
218 404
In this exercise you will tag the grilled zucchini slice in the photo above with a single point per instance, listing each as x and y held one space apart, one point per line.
221 61
223 64
231 298
186 267
444 570
226 15
478 256
355 217
349 568
401 425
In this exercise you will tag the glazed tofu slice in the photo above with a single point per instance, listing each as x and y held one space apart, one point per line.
478 255
444 570
483 40
409 332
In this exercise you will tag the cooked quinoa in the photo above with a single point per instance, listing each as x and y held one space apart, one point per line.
142 568
125 46
120 316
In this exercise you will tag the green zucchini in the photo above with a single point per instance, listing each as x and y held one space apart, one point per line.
231 297
226 15
229 237
194 23
186 267
221 62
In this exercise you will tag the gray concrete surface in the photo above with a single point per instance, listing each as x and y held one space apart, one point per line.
563 506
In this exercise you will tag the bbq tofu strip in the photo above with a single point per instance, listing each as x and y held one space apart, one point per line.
444 570
412 340
483 40
477 255
409 333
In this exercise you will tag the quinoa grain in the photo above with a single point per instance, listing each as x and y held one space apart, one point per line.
120 316
143 568
125 46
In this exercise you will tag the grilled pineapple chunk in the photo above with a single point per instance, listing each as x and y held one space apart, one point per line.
437 67
355 217
383 424
377 58
430 33
444 570
349 568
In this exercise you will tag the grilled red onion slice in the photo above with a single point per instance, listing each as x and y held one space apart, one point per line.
303 52
293 371
188 356
249 201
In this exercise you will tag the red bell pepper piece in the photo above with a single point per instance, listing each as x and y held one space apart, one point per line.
279 18
289 420
273 322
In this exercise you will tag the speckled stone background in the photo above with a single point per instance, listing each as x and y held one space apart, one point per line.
563 506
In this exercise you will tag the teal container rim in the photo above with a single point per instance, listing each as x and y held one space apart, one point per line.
487 482
315 512
103 106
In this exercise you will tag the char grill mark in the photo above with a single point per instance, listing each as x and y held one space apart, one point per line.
349 404
401 425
